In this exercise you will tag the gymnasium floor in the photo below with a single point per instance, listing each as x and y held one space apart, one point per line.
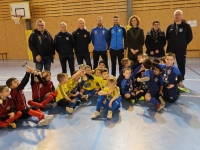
137 127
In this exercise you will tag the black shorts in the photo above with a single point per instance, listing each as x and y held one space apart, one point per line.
25 111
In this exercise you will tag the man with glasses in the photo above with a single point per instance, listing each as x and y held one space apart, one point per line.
179 35
41 45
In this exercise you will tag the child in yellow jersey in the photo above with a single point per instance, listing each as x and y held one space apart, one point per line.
103 81
109 97
64 98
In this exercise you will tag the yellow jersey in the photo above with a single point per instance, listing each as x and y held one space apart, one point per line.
72 85
62 91
116 91
103 83
89 85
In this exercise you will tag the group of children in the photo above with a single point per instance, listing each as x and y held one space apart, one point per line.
148 80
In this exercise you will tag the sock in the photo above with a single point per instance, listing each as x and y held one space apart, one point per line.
32 103
37 114
16 116
154 101
3 124
54 94
47 100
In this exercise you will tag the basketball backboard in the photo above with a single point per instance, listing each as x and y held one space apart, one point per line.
20 9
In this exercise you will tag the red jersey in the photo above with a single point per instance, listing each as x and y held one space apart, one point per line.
6 107
38 90
49 86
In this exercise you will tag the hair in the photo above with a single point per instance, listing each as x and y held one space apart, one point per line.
100 17
124 61
112 79
61 76
170 54
2 87
155 21
81 19
126 69
115 16
102 61
162 59
40 20
156 61
9 81
87 66
137 18
47 72
97 69
147 63
63 23
104 70
178 10
157 67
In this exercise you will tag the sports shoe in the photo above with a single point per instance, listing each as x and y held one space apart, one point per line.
132 101
86 96
160 107
141 98
109 115
69 110
183 90
49 117
44 122
12 125
96 114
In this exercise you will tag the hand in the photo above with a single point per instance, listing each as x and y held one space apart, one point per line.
151 53
133 94
157 51
108 51
170 86
29 70
133 51
47 94
161 93
138 79
38 58
12 114
110 104
136 50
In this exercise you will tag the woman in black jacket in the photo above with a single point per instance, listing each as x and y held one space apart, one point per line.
155 41
134 38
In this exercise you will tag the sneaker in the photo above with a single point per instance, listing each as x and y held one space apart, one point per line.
183 90
12 125
132 101
160 107
44 122
162 101
109 115
141 98
69 110
49 117
85 96
96 114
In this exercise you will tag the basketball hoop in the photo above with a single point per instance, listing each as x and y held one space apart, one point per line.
16 18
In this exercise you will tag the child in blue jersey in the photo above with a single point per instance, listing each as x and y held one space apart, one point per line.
149 85
109 97
171 78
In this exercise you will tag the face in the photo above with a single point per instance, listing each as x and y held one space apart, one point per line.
156 26
102 65
88 70
63 28
169 60
128 63
116 21
105 75
139 57
48 77
81 24
134 22
15 84
111 85
162 62
127 74
178 16
98 73
5 93
40 26
99 21
157 71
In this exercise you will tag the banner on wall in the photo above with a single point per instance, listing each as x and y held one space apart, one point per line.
192 23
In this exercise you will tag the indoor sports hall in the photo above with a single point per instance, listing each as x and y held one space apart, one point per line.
135 126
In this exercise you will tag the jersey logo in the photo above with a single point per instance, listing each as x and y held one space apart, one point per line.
67 38
119 30
87 85
8 108
85 35
181 30
103 31
112 31
95 32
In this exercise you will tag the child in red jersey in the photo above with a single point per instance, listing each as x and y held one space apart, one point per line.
40 98
19 99
7 109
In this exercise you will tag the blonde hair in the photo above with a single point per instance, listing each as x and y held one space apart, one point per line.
81 19
40 20
112 79
63 23
126 69
178 10
170 54
124 61
100 17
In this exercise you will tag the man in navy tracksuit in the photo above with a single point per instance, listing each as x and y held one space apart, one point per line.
179 35
116 38
82 40
99 40
63 43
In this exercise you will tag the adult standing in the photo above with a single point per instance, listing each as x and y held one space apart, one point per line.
63 43
99 40
116 40
134 38
179 35
41 45
82 40
155 41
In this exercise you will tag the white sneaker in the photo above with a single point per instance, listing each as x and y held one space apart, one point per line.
44 122
109 115
96 114
69 110
49 117
85 97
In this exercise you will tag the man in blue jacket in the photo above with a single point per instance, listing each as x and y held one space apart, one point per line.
99 40
116 46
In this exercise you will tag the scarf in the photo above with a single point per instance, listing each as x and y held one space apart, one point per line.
155 34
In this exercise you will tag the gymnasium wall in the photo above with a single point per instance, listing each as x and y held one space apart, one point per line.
53 12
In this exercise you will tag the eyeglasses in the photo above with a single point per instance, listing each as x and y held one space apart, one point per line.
40 25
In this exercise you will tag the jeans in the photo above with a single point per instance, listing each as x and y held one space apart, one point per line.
46 62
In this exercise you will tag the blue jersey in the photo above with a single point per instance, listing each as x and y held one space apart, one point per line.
159 80
126 86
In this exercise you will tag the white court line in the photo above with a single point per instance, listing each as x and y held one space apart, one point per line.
189 96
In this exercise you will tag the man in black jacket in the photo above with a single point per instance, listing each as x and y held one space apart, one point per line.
82 40
41 45
63 43
179 35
